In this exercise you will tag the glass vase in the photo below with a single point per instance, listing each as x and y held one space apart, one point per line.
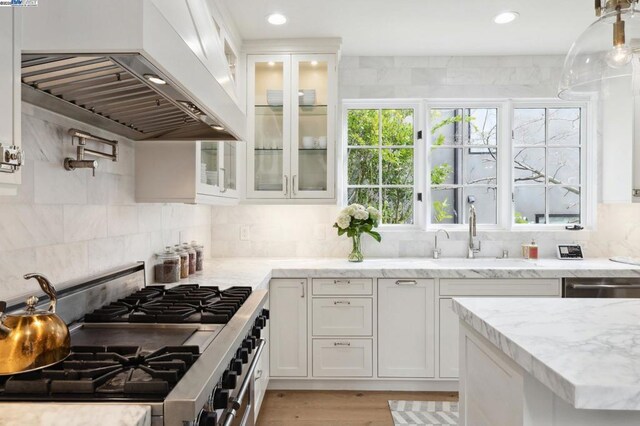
356 252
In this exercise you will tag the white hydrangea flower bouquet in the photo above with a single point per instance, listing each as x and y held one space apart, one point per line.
354 220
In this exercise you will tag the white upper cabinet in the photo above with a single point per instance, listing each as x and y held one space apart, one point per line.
291 113
10 44
201 172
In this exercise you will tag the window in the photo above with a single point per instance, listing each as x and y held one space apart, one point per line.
380 161
547 165
464 164
523 164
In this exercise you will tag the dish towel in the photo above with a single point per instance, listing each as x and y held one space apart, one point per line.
430 413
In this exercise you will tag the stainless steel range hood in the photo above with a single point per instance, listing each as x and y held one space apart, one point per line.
121 93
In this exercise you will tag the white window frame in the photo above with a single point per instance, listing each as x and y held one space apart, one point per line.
503 130
504 182
588 163
419 178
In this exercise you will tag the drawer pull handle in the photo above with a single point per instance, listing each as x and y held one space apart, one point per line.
338 282
341 302
341 344
406 282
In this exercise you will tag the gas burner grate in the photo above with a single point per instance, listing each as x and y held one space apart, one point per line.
188 303
104 372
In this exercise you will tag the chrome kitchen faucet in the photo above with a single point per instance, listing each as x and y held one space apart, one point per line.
473 218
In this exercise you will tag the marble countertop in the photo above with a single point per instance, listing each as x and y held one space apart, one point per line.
74 414
585 350
256 272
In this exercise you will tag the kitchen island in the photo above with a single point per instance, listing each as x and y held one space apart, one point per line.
549 361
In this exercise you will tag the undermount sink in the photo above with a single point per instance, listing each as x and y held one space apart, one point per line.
482 263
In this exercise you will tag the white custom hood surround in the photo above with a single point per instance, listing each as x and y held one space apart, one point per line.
178 39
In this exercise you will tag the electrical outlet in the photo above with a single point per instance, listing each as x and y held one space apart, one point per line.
319 232
244 233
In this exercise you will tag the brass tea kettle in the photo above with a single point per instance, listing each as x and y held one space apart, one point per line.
32 339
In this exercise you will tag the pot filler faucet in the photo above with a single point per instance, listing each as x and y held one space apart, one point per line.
472 229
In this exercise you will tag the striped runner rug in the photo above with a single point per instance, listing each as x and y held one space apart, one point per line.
430 413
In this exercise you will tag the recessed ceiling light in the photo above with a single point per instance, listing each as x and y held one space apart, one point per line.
218 127
314 63
277 19
271 63
505 17
154 79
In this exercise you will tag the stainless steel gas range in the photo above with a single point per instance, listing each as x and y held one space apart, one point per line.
189 352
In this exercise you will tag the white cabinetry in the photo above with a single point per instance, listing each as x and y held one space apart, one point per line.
288 339
186 172
291 112
10 44
406 328
342 317
342 358
449 321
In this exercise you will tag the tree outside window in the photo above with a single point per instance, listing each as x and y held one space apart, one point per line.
380 157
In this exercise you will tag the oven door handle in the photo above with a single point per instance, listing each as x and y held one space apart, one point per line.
604 286
237 401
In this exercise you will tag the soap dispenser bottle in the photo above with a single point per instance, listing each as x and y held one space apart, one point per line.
533 250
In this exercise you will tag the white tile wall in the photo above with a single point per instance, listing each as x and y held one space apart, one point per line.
68 225
291 230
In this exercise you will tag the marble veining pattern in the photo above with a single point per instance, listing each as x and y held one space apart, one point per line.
585 350
75 414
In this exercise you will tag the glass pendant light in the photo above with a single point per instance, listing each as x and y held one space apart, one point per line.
605 51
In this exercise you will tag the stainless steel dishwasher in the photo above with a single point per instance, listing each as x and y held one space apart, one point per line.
621 288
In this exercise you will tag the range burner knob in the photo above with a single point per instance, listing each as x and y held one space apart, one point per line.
208 418
265 313
261 322
243 354
229 379
220 399
236 366
255 332
248 344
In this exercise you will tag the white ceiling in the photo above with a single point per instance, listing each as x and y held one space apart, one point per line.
421 27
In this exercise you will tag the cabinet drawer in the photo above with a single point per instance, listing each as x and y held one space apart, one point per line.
342 286
500 287
342 317
342 357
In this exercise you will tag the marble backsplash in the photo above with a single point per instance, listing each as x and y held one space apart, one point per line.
306 231
67 225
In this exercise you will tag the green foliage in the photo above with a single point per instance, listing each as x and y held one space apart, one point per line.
440 173
520 219
441 210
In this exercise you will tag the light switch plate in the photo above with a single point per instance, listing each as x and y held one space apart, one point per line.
244 233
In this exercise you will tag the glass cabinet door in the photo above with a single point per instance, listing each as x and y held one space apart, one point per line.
313 126
269 114
209 164
229 167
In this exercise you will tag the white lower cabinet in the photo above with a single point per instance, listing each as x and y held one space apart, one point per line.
448 343
342 358
342 317
449 322
288 338
406 328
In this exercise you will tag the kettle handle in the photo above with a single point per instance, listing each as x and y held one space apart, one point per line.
48 289
3 328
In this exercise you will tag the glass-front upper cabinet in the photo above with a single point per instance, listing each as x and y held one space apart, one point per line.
291 111
218 169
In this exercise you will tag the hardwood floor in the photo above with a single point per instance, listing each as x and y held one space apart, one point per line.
336 408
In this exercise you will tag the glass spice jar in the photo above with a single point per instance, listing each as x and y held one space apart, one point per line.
192 257
184 261
199 255
167 267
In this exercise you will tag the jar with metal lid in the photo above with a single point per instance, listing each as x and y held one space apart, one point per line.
192 257
167 267
199 255
184 261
